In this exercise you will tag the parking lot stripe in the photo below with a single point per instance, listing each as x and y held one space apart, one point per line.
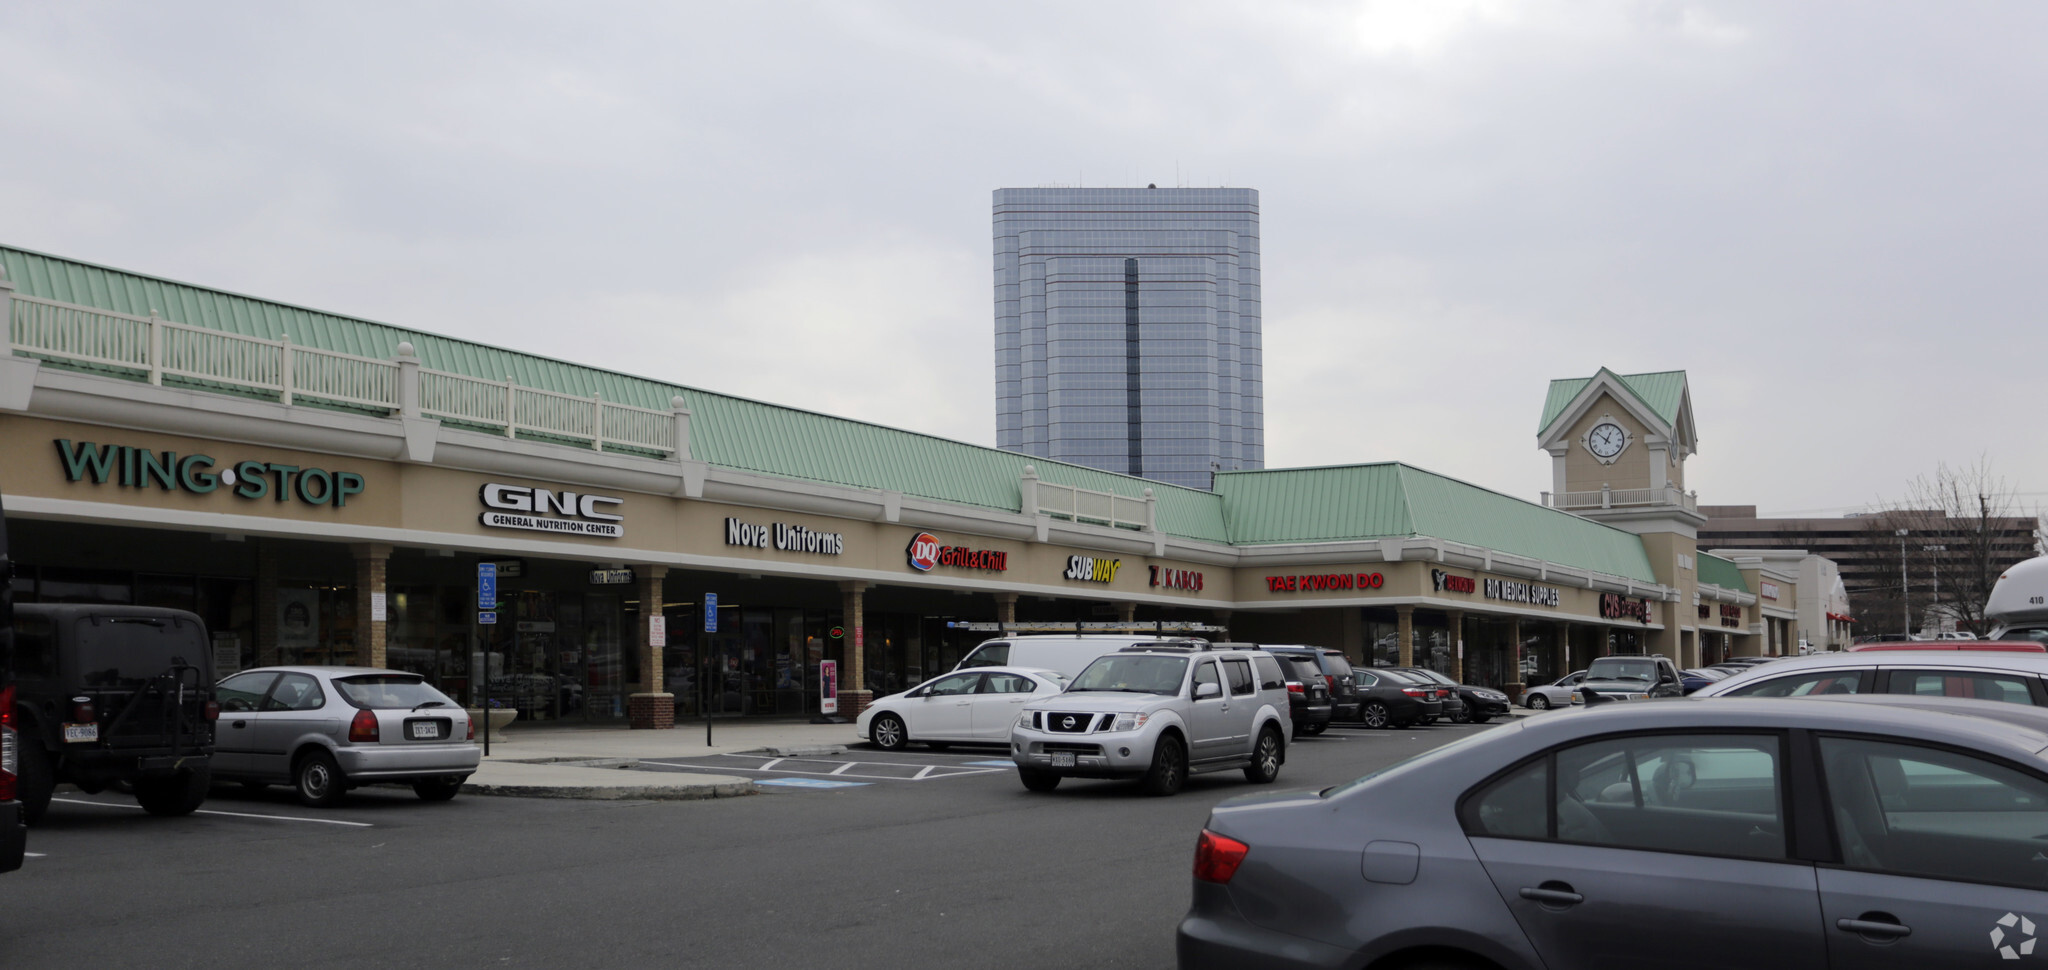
35 855
770 765
209 811
992 764
921 772
842 768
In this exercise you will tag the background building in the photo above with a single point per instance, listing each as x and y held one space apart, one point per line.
1947 560
1128 329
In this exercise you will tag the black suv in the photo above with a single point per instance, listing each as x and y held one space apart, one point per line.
1336 675
112 695
1631 678
1308 697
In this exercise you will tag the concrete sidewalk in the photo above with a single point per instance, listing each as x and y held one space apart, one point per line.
594 761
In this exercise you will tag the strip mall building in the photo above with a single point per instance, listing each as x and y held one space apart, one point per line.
322 489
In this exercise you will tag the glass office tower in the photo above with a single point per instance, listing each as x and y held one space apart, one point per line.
1127 329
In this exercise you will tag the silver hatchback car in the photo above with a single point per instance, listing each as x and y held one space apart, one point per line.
1875 832
324 730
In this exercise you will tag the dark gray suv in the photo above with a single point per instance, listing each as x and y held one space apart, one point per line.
1880 831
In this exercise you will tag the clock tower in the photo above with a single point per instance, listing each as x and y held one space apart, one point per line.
1618 444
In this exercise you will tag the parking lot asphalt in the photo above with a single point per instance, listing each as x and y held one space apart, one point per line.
870 859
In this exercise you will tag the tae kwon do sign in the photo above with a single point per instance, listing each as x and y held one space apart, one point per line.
784 537
132 467
925 551
1324 581
546 510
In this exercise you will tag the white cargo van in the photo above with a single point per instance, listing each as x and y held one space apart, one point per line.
1067 653
2018 607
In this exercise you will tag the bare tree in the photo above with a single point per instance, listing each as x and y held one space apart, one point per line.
1963 527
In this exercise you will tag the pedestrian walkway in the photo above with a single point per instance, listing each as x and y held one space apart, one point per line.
585 761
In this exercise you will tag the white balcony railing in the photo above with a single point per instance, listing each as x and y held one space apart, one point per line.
1086 505
1622 498
152 349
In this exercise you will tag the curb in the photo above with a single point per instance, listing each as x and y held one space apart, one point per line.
615 792
798 751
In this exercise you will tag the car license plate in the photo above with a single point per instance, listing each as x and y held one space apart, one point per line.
1063 759
81 732
425 729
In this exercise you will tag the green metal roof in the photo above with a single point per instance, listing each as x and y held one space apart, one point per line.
1720 572
727 431
1662 392
1390 499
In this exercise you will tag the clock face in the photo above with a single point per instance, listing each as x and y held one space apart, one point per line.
1606 440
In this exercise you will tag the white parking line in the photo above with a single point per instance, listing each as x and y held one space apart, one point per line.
208 811
36 855
839 772
842 768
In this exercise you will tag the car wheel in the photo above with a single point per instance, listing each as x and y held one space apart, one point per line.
318 780
1169 767
1265 764
1312 729
179 794
438 789
1037 780
34 782
1374 714
1538 702
887 732
1462 717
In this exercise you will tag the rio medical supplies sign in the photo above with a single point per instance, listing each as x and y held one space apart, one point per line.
131 467
546 510
926 551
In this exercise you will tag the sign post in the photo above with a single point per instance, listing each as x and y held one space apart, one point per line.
710 626
487 605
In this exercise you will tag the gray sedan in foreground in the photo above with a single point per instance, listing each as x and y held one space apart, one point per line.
324 730
1871 832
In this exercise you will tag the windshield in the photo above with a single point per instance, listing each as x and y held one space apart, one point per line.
127 652
1612 668
1139 674
390 692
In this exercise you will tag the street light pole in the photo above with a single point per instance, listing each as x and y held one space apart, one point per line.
1905 595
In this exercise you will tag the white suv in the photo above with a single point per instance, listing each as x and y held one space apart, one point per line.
1157 713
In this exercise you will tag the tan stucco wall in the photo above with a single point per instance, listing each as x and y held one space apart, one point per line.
1585 473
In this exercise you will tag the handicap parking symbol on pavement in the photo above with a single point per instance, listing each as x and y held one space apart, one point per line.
809 783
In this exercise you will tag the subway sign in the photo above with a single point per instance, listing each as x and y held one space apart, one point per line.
1088 569
199 474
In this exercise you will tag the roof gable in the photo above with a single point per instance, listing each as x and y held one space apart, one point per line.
1662 399
1720 572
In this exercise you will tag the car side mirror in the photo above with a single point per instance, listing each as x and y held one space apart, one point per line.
1204 691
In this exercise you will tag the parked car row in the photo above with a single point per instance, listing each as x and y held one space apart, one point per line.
124 697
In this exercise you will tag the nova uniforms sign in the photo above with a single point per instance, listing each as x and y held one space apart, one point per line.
787 538
546 510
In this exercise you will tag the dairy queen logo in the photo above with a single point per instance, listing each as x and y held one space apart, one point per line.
924 551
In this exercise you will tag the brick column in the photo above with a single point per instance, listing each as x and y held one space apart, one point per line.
372 561
1514 684
1006 607
266 603
854 694
1458 645
649 707
1405 625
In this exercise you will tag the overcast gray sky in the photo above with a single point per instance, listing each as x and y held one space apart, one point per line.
1831 214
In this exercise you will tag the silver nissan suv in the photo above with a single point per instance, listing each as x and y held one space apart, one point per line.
1156 713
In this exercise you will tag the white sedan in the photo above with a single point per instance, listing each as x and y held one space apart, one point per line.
1563 693
967 707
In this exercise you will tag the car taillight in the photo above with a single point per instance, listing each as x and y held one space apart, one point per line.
1294 687
82 712
1330 682
1414 692
472 730
1217 857
363 728
1443 693
7 706
213 710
